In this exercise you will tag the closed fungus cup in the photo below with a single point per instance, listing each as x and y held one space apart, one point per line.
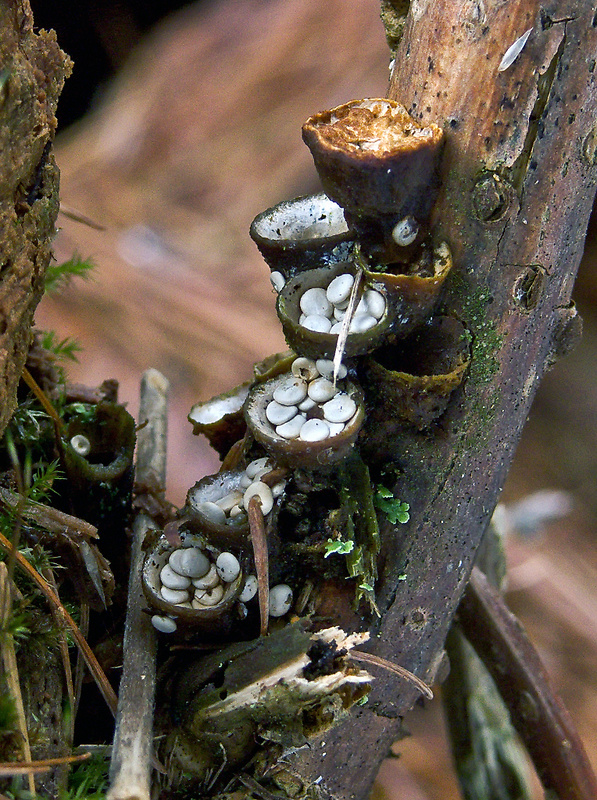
412 382
301 234
373 158
317 336
220 419
299 431
215 614
413 290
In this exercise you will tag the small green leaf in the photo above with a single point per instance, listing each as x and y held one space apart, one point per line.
402 577
394 509
337 546
366 587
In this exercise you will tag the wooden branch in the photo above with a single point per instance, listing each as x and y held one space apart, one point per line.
518 181
132 749
536 711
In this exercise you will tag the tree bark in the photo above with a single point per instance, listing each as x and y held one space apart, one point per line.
32 73
518 182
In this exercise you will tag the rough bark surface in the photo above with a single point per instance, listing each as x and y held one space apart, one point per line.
32 73
518 182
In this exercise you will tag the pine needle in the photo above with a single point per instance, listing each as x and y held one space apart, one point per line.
368 658
55 603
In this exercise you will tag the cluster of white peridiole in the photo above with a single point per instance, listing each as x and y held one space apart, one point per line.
233 505
323 310
190 579
307 406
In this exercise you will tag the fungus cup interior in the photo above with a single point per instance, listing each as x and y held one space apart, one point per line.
220 419
323 345
111 435
233 532
413 290
155 560
414 380
295 452
301 233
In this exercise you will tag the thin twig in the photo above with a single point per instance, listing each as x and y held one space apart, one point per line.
260 554
43 765
345 327
537 712
51 519
65 657
55 603
9 660
130 767
369 658
77 216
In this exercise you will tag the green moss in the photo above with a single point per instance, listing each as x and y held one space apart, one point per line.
486 340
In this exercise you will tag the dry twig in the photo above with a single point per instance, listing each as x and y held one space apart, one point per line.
130 768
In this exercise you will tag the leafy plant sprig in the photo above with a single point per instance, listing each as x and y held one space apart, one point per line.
65 349
59 275
337 546
394 509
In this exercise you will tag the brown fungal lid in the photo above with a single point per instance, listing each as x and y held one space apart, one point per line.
305 421
373 158
300 234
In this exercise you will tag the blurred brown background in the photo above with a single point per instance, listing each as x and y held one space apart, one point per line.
189 129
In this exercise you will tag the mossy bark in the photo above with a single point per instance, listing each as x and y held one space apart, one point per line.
32 73
518 183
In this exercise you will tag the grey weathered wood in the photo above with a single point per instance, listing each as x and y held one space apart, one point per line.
132 749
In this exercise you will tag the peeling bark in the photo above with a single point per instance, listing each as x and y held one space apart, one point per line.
33 71
518 182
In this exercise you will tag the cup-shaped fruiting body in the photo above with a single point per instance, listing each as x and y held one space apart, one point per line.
374 159
220 419
214 506
311 308
217 506
413 290
185 589
412 382
300 234
302 419
273 365
98 446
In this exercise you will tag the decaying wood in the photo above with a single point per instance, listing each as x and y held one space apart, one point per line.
130 768
32 73
518 185
537 714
